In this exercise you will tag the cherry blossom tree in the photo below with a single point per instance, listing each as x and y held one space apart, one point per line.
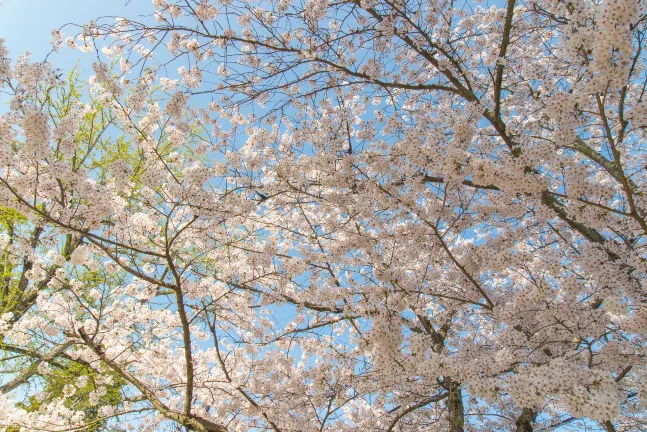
358 215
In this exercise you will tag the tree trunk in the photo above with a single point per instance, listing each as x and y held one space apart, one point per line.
525 419
455 407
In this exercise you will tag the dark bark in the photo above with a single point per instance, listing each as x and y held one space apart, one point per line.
525 420
455 407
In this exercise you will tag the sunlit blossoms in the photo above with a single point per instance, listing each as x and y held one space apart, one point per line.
318 216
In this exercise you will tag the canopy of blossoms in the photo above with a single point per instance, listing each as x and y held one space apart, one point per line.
355 215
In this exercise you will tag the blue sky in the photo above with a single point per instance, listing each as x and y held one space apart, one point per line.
27 24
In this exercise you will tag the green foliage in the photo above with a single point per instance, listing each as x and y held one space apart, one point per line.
11 223
10 217
54 386
97 144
